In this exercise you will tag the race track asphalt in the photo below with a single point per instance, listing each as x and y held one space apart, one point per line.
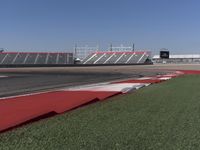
26 80
37 79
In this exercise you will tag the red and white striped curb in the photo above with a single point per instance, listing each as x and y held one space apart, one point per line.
124 86
117 87
1 76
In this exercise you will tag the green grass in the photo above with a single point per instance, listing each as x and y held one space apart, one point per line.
161 116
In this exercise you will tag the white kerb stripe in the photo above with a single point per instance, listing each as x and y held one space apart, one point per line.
164 78
3 76
146 78
118 87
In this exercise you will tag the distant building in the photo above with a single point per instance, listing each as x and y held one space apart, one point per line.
185 58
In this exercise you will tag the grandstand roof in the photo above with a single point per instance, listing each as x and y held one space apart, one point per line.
122 52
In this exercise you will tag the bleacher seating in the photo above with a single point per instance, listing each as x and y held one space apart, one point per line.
9 58
52 59
20 58
31 58
117 58
41 58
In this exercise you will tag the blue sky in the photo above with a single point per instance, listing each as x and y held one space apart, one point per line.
55 25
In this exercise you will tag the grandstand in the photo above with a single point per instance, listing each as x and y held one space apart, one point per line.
117 58
119 55
35 58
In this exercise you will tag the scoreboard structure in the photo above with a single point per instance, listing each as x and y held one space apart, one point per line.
164 54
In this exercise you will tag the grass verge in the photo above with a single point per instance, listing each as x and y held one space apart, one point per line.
161 116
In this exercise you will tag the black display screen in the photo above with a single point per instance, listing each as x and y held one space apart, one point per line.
164 54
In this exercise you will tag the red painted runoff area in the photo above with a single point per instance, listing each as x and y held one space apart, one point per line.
190 71
18 110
